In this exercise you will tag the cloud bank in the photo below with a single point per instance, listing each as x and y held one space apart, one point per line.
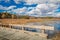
42 9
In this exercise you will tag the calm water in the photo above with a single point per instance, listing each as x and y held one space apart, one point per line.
55 23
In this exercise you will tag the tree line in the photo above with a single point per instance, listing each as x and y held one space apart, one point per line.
5 15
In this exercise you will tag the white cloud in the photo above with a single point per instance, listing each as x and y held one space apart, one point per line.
11 7
6 8
4 0
34 12
43 10
44 7
32 1
2 8
39 10
20 10
57 15
17 1
51 14
29 2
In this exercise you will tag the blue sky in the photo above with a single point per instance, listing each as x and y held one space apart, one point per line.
37 8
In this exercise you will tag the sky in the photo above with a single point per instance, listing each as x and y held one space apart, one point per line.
37 8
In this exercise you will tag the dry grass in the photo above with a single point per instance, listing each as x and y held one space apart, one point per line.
23 21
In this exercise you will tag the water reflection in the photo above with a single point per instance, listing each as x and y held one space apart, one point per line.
56 24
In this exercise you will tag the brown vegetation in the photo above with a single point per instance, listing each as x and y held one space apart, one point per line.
8 18
57 36
23 21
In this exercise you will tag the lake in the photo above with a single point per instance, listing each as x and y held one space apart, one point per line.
55 23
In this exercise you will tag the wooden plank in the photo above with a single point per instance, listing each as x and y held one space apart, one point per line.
34 26
41 27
